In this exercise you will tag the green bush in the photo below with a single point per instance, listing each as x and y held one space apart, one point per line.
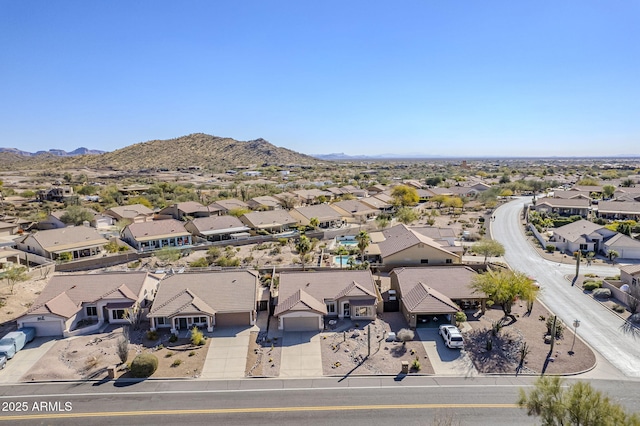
602 293
199 263
144 365
152 335
173 338
618 308
550 248
415 365
591 285
197 338
461 317
176 363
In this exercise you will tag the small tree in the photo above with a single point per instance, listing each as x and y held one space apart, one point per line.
314 222
613 255
406 215
123 345
460 317
15 275
133 315
488 248
197 338
404 195
405 335
76 215
504 286
303 247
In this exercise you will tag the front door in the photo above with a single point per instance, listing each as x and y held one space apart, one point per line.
346 310
182 323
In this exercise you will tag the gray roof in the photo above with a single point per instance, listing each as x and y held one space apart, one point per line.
157 229
130 212
266 200
331 285
65 294
561 202
619 207
230 204
322 212
571 194
217 225
189 207
206 292
422 298
355 207
452 281
631 269
576 231
71 237
622 241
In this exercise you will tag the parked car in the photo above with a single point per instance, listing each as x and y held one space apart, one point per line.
3 361
452 336
7 347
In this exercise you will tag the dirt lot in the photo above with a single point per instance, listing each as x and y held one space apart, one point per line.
504 355
88 357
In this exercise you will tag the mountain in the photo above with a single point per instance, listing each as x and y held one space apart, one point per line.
56 152
195 150
343 156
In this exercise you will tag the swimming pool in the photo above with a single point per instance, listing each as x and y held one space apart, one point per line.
345 260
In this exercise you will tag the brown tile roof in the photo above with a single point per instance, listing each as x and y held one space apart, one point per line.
300 301
65 294
561 202
227 291
189 207
322 212
577 231
400 237
422 298
71 237
230 204
452 281
619 207
157 229
631 269
331 285
217 224
130 211
354 207
269 218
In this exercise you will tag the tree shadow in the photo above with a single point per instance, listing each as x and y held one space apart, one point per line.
630 328
398 351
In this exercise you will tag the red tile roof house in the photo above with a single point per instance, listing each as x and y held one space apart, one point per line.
154 235
216 228
431 292
211 299
80 241
68 301
305 299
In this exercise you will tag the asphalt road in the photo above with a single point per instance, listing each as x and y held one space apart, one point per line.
324 401
607 333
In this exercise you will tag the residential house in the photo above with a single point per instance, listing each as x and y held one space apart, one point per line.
446 237
626 247
581 235
572 195
305 299
81 304
216 228
376 189
288 200
355 191
354 211
273 221
630 274
563 207
434 293
594 190
619 210
185 211
313 196
79 241
225 206
327 217
154 235
52 221
56 193
211 299
403 246
8 229
632 193
134 213
266 202
376 203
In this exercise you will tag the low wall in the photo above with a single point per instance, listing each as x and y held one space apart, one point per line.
616 293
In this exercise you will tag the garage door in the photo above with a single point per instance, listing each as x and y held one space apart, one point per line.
233 320
301 324
45 328
630 253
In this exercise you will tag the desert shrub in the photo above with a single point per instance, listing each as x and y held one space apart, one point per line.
144 365
614 278
489 303
168 354
152 335
192 353
123 349
405 335
197 338
415 365
199 263
618 308
559 327
590 275
591 285
602 293
461 317
173 338
550 248
176 362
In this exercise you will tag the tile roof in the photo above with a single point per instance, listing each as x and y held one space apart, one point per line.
400 237
230 204
65 294
561 202
578 230
207 292
631 269
322 212
130 211
157 229
622 241
452 281
217 224
268 219
71 237
422 298
189 207
354 207
300 301
619 207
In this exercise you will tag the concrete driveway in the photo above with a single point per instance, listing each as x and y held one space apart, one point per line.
227 355
22 362
301 355
445 361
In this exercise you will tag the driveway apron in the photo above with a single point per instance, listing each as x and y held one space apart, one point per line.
22 361
301 355
227 355
445 361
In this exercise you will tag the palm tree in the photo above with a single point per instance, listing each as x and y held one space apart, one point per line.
314 222
303 247
342 251
363 242
613 255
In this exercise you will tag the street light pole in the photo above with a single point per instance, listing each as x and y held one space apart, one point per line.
576 324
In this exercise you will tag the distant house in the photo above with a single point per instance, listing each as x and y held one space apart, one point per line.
306 298
56 193
52 221
434 292
79 241
630 274
376 203
446 237
154 235
216 228
403 246
207 300
266 202
581 235
619 210
185 211
572 195
225 206
313 196
354 211
563 207
626 247
595 189
8 229
133 213
70 302
327 217
376 189
273 221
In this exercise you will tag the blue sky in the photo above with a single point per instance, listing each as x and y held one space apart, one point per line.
462 78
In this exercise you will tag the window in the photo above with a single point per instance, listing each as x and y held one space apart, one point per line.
424 260
117 314
161 321
583 247
92 311
331 307
449 261
361 311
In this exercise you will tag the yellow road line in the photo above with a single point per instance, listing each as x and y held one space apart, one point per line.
251 410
